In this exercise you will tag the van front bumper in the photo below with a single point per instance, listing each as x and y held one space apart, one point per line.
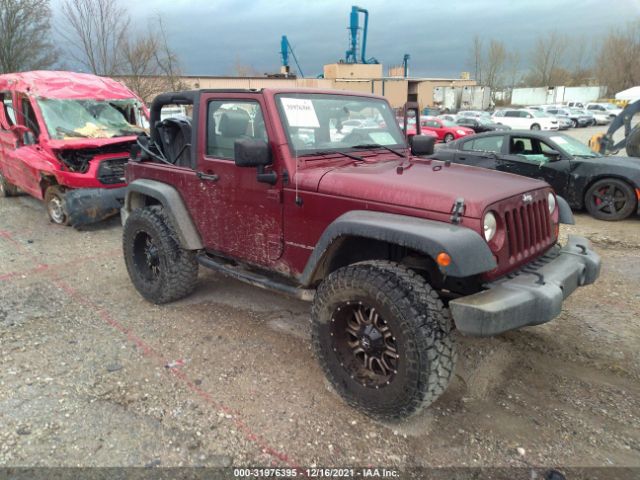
531 296
90 205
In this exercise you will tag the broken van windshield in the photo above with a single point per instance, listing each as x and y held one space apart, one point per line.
67 118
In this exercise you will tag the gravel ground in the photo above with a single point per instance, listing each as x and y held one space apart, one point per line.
92 375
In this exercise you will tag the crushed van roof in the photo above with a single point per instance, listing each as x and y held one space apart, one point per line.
61 84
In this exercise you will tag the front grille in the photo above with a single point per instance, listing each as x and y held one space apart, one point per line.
528 229
111 171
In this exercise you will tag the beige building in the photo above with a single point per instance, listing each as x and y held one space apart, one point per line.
364 78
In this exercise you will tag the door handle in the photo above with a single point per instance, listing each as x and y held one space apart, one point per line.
211 177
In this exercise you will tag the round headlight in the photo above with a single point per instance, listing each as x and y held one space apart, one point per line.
489 225
551 200
461 132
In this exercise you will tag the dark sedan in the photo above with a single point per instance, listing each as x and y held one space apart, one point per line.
480 124
608 187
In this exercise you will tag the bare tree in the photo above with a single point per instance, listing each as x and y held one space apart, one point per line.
495 60
476 58
242 70
25 31
97 28
148 65
546 59
580 60
513 68
617 61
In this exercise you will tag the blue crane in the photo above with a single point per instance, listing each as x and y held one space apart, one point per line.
285 49
351 55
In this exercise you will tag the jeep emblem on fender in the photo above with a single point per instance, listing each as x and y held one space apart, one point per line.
527 198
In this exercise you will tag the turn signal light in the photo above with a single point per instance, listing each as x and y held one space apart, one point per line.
443 259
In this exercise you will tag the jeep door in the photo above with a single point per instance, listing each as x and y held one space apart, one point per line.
237 215
533 157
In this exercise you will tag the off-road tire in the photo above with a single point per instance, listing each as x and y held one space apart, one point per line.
448 138
623 208
7 189
419 321
55 204
535 127
177 269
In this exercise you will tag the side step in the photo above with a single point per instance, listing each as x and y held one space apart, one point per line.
254 278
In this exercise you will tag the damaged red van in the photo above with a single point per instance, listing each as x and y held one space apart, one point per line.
65 138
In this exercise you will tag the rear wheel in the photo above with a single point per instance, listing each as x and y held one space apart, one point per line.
7 189
448 138
574 124
159 268
535 126
610 199
383 338
55 204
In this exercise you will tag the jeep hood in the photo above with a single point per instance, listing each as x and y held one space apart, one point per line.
425 185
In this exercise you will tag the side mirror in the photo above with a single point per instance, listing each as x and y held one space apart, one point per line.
251 152
24 136
553 155
422 145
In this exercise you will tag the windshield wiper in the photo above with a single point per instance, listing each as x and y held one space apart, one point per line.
332 152
369 146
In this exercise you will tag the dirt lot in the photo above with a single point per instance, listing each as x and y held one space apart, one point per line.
92 375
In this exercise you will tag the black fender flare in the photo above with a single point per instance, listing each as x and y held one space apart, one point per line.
469 252
173 206
565 215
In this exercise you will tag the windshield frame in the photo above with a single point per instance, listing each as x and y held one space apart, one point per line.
391 123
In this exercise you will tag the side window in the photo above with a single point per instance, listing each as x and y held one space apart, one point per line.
484 144
9 111
466 121
512 113
230 120
29 116
530 150
433 124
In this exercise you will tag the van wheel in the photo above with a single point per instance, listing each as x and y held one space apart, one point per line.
535 126
610 199
7 189
159 268
383 338
56 206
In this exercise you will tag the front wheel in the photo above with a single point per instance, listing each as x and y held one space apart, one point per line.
610 199
535 126
574 124
159 268
383 338
56 205
448 138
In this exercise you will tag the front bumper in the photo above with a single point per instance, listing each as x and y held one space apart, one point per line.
531 296
90 205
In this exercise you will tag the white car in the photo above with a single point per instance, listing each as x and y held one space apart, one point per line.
523 119
601 118
610 109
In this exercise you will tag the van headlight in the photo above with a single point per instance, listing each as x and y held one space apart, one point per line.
551 201
489 226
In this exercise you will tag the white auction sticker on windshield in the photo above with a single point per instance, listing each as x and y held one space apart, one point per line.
300 112
559 140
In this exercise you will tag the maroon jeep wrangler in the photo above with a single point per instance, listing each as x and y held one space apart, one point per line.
317 195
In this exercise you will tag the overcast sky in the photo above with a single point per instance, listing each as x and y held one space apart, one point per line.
209 36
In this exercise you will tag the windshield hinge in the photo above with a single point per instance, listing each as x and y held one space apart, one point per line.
457 211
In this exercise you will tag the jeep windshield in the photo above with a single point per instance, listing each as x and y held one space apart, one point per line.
66 118
322 124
